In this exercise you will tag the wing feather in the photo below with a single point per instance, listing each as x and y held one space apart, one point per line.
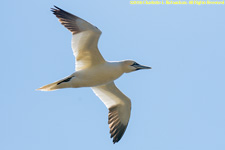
119 106
84 40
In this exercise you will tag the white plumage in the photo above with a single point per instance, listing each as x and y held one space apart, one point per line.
93 71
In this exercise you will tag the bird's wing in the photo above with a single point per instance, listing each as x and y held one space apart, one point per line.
84 41
119 106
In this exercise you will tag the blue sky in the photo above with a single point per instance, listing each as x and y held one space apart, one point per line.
178 105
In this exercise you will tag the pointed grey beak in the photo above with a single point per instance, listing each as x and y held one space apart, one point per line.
141 67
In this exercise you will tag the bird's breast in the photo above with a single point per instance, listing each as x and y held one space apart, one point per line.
98 75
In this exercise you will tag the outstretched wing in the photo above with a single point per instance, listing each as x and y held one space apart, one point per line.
119 106
84 41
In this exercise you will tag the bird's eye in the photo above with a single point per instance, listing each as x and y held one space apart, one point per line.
135 64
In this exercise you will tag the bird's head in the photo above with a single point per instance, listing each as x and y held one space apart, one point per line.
130 65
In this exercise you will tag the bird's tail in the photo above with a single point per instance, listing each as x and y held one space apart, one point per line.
63 83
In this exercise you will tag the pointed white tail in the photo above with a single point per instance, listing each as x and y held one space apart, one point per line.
63 83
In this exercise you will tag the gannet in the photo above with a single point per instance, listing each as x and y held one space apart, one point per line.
92 70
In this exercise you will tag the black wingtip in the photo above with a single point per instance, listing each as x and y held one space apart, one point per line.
55 9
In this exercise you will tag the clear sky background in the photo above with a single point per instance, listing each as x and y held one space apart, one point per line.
178 105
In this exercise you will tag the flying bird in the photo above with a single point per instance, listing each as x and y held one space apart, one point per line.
92 70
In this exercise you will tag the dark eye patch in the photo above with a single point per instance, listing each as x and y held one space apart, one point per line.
135 64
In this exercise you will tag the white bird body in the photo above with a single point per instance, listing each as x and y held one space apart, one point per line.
97 75
93 71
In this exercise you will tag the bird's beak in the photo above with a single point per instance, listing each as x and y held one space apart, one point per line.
141 67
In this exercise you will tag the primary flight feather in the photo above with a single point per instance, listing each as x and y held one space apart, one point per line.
93 71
